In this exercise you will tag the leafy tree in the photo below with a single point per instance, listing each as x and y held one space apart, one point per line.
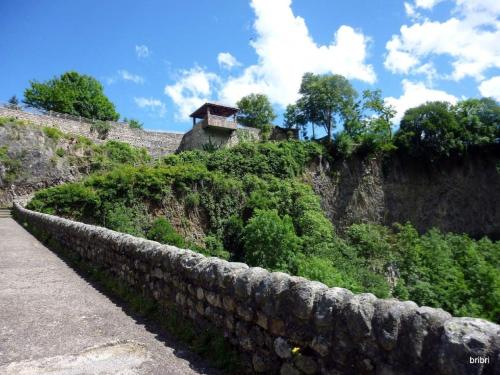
13 102
430 130
71 93
270 241
479 120
255 111
325 100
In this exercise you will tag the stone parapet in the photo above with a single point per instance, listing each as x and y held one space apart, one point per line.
283 324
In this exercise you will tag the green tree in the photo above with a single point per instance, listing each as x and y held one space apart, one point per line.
430 130
270 241
325 100
71 93
255 111
479 120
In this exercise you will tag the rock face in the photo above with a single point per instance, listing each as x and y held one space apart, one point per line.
458 196
32 161
280 323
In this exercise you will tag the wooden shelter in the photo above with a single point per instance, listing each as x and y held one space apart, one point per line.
216 116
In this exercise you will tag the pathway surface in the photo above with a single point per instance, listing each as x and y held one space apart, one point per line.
53 321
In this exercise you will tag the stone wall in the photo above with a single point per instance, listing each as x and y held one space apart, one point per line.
280 323
157 143
199 137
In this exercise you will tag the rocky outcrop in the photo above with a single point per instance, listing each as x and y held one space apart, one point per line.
31 160
454 195
280 323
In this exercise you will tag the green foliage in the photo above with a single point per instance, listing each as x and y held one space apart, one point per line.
325 99
115 153
436 129
162 231
12 166
256 111
133 123
53 133
102 128
256 209
71 93
270 240
60 152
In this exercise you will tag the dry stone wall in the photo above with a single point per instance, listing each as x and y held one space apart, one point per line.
157 143
283 324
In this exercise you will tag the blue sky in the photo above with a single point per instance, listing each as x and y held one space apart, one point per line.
159 60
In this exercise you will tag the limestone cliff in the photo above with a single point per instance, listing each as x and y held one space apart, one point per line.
454 195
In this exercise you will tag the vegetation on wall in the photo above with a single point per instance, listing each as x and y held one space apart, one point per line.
258 210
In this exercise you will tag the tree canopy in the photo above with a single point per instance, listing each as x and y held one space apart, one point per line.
71 93
325 99
255 111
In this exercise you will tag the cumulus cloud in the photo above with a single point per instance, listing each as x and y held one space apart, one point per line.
142 51
155 106
127 76
193 87
470 38
227 61
285 51
414 94
491 88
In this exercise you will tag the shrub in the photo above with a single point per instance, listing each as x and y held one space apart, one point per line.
270 241
102 128
53 133
163 232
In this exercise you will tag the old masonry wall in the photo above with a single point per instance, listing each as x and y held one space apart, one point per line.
267 314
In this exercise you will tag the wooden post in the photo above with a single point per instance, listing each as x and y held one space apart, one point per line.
194 121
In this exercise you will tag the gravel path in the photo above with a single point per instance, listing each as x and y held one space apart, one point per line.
53 321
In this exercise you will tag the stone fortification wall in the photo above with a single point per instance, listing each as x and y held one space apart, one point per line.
199 137
157 143
268 315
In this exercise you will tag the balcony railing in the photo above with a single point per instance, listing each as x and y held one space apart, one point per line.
219 122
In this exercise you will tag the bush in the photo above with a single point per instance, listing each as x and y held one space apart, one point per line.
163 232
102 128
53 133
270 241
127 218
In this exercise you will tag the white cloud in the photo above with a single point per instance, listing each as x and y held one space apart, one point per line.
414 94
193 88
155 106
491 88
426 4
470 38
227 61
285 51
142 51
127 76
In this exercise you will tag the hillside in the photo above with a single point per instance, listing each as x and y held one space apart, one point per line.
33 157
254 203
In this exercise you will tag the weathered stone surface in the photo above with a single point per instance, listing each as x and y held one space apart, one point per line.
466 338
306 364
282 348
266 314
300 297
288 369
330 303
